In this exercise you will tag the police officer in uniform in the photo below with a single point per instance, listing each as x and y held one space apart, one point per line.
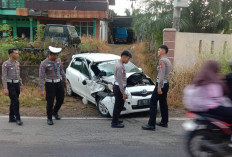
51 71
12 83
119 89
160 91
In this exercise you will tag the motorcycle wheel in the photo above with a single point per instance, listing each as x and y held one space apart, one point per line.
199 142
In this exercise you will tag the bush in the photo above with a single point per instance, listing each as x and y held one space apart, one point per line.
89 44
40 31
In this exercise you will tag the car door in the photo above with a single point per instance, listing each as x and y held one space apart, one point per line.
85 75
74 75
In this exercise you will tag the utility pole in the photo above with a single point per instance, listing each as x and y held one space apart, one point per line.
178 5
176 18
132 6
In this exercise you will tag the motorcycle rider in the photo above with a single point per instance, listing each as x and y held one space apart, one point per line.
228 79
206 93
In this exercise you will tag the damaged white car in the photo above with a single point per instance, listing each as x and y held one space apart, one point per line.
91 75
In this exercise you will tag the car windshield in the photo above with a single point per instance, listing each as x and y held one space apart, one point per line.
108 67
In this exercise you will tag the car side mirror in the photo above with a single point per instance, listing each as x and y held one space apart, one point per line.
140 69
84 82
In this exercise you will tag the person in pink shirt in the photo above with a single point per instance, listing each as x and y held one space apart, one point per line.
211 92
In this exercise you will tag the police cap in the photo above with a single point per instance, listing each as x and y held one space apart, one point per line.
54 50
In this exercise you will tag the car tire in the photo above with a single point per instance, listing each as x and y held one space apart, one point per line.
102 108
69 90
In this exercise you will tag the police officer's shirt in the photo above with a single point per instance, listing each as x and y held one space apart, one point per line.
163 69
11 71
120 75
50 70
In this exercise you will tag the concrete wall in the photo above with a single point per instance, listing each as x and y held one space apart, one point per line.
184 47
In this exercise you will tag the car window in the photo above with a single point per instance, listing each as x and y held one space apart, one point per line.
108 67
85 71
56 29
76 64
72 32
79 64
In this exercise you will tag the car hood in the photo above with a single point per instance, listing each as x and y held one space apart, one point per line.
111 78
131 76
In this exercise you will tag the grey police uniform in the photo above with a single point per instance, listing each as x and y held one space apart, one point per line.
12 81
163 69
162 81
119 90
52 73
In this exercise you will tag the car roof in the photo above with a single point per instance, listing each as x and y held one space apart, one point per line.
98 57
59 25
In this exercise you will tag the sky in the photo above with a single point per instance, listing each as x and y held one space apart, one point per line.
121 5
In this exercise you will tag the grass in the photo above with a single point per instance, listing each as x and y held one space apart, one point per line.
145 59
181 77
29 96
90 44
32 104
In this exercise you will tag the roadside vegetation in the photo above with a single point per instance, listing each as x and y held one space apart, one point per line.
89 44
183 76
180 77
202 16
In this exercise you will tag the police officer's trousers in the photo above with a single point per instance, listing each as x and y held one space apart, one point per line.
14 91
118 105
54 90
162 98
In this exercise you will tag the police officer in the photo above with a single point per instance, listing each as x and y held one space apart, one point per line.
12 83
51 71
160 91
119 88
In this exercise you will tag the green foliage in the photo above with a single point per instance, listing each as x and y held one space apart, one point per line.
127 12
207 16
40 31
8 43
149 24
88 47
112 12
222 58
6 28
202 16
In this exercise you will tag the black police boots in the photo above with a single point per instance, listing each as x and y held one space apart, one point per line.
148 127
57 117
19 122
165 125
50 122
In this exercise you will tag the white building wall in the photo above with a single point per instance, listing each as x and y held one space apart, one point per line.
104 30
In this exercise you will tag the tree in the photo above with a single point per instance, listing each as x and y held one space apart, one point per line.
150 22
202 16
113 12
207 16
127 12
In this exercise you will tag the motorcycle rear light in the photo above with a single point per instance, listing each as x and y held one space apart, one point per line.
226 124
190 115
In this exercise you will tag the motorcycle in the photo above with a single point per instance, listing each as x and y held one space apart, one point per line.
208 135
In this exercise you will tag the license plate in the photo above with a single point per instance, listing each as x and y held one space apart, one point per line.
144 102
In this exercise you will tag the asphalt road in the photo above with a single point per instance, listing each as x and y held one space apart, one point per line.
89 138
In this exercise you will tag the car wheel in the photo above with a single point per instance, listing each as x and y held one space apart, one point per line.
103 110
69 90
